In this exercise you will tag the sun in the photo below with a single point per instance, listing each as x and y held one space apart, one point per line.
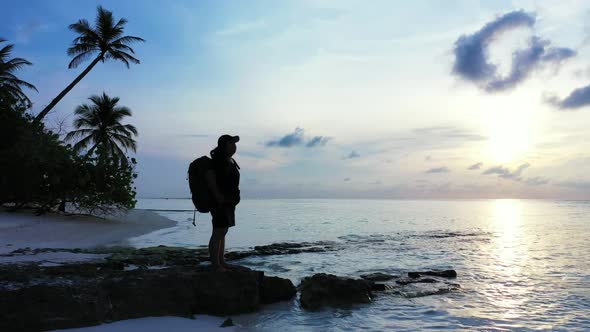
509 135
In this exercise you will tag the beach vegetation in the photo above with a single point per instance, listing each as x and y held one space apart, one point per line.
103 41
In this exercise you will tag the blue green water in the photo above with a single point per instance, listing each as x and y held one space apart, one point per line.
522 264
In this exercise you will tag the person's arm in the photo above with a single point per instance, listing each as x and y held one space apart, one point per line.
212 184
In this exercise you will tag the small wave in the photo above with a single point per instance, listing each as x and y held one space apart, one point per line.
167 210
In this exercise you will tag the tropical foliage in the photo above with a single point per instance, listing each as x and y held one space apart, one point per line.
104 41
39 170
99 125
10 85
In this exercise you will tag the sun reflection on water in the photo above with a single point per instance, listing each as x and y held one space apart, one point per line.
510 253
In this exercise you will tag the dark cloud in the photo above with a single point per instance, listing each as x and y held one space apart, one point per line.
346 179
293 139
505 173
526 60
475 166
471 51
297 138
516 175
352 155
471 54
577 99
317 141
438 170
427 158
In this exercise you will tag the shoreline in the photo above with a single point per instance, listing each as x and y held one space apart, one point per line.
19 230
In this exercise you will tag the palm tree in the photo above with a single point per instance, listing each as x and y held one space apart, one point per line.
106 40
9 83
99 124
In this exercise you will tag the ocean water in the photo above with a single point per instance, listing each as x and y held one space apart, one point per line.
523 265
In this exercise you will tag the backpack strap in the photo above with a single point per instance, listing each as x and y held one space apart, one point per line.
235 163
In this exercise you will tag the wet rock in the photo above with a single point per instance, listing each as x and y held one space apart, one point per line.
275 289
378 276
407 281
37 298
442 274
327 289
429 290
284 248
227 323
378 287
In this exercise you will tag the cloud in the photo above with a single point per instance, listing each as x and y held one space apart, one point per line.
317 141
526 60
536 181
471 54
471 51
438 170
575 184
293 139
297 138
576 99
352 155
25 32
449 132
505 173
475 166
346 179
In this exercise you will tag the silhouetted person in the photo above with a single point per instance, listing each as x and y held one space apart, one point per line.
223 181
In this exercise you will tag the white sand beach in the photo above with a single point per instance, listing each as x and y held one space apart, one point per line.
158 324
24 230
21 230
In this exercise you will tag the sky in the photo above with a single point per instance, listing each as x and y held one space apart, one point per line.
338 99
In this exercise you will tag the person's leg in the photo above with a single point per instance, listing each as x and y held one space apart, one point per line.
214 247
222 258
221 253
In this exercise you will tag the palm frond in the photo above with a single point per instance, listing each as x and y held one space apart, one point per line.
84 142
80 58
128 40
25 84
5 51
74 134
119 47
9 82
83 28
79 48
125 141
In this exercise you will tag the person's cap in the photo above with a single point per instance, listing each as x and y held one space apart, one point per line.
224 139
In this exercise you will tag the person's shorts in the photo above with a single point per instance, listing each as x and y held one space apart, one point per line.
223 217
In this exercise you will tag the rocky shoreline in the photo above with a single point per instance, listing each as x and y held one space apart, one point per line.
127 283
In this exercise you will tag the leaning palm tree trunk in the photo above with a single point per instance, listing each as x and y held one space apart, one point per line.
62 94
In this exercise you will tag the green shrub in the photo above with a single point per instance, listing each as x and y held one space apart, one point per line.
37 169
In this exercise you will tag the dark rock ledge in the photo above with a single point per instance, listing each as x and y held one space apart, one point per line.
133 283
329 290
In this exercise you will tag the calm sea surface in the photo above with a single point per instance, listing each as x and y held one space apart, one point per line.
522 264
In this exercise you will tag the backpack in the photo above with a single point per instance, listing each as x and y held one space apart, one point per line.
198 184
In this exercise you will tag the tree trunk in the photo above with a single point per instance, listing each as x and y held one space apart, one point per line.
54 102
